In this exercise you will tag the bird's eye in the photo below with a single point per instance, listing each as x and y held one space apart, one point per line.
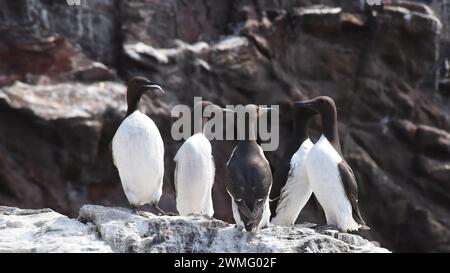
238 200
260 200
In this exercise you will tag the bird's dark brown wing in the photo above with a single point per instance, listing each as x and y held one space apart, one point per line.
351 188
263 178
235 185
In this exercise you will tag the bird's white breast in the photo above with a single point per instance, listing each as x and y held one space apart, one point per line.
297 190
236 215
138 152
324 177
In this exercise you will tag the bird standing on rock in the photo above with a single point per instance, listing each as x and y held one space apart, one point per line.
291 170
249 177
194 171
138 149
331 178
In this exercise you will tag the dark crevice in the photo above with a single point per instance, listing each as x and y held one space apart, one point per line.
118 39
365 52
263 51
207 8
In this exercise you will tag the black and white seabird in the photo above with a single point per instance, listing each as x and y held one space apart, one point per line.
331 178
249 178
194 171
138 149
291 171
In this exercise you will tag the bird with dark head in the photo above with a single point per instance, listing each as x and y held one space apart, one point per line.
291 181
301 117
331 178
138 86
206 108
326 107
138 149
249 177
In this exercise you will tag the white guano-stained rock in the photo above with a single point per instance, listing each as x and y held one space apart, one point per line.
44 230
104 229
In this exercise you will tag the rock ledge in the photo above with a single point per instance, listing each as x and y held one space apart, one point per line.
105 229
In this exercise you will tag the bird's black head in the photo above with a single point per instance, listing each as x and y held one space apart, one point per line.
247 119
301 116
326 107
303 113
137 86
207 110
323 105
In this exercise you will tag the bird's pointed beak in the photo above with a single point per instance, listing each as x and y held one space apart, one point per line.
246 211
216 109
306 104
154 87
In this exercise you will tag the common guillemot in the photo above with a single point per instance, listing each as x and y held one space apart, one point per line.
331 178
194 171
249 177
138 149
291 171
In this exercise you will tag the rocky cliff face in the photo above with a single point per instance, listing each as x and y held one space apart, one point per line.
102 229
57 122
